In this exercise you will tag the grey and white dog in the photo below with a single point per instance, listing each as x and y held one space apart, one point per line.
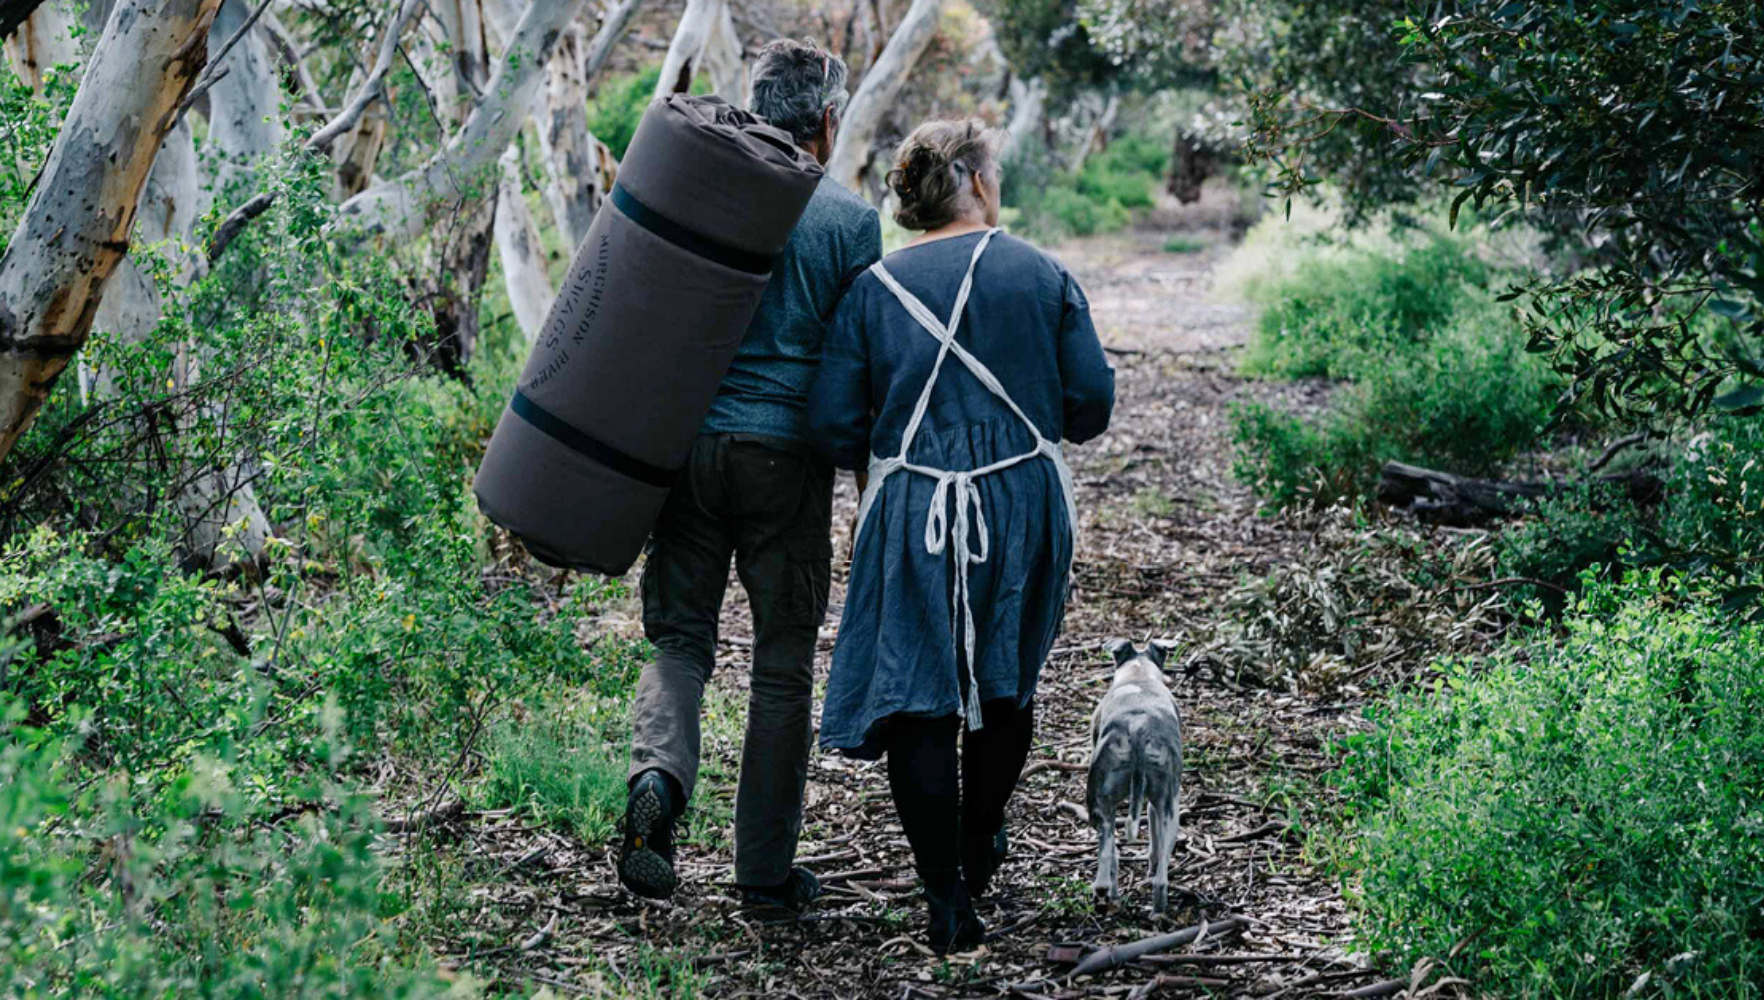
1136 757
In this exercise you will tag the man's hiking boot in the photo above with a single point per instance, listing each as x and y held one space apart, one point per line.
954 924
981 860
795 893
646 855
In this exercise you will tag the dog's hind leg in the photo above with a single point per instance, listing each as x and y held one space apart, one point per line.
1107 884
1163 841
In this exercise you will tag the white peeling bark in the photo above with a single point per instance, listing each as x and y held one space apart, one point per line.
1028 110
76 228
523 259
45 40
876 94
404 207
572 155
578 167
1097 136
705 39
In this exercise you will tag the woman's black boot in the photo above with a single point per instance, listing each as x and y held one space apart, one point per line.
954 924
981 860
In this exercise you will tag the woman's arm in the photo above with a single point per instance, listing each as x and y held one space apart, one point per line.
839 401
1087 381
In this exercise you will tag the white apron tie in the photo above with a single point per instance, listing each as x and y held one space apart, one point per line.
961 530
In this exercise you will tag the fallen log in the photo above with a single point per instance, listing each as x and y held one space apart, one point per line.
1459 501
1117 955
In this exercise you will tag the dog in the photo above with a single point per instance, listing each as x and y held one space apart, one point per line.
1136 757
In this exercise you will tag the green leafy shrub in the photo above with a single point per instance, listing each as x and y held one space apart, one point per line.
1586 525
1336 313
1054 203
1078 215
198 890
1468 401
1581 812
1126 173
1710 519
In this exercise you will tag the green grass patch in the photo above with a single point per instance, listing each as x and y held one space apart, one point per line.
1185 244
1467 402
564 765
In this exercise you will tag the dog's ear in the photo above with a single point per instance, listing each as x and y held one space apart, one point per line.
1121 650
1158 650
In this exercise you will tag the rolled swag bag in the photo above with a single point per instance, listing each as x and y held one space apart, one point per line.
648 320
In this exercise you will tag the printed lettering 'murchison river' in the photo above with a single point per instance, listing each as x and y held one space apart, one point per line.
567 306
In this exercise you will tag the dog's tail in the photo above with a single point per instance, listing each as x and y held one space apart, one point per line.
1136 805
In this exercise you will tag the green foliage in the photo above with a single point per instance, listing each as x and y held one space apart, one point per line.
1047 39
1185 244
619 102
194 890
1070 212
1710 522
1586 525
1336 313
1582 813
1101 198
1467 398
192 719
1628 127
28 126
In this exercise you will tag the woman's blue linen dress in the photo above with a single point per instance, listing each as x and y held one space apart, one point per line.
1028 322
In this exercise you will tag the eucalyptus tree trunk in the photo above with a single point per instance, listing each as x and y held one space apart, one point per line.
1028 110
523 259
43 41
578 167
458 258
244 106
76 228
705 39
852 153
574 160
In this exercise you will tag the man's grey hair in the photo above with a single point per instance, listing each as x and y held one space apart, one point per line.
794 84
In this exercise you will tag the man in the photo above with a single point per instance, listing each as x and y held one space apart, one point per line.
754 492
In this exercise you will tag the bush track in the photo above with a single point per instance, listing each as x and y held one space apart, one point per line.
1165 533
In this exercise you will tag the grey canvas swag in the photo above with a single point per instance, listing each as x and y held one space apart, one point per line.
645 326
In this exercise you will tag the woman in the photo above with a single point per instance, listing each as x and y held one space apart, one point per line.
964 542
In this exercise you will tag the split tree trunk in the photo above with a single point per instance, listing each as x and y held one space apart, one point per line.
852 153
76 228
458 260
1097 138
706 39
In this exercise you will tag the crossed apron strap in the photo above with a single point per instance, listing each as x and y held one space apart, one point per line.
959 531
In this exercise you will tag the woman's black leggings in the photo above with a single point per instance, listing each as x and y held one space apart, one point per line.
922 774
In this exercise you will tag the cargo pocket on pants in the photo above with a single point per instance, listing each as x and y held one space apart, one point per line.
811 577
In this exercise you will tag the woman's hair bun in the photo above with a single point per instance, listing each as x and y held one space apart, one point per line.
931 170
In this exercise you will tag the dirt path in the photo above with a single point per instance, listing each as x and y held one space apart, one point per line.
1165 532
